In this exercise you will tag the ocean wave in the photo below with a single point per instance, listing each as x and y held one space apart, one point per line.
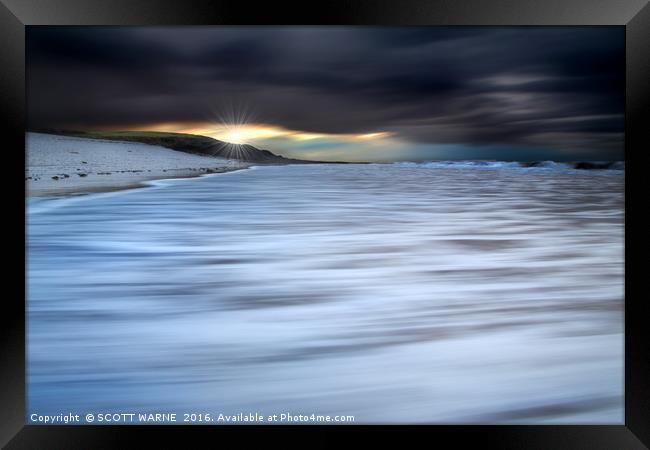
526 165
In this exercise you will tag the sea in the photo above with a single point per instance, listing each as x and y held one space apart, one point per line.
431 293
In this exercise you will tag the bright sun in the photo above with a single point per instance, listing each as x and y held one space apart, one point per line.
245 133
235 135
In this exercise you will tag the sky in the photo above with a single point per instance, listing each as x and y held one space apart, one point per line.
342 93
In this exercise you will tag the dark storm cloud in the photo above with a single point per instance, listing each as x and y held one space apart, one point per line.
559 87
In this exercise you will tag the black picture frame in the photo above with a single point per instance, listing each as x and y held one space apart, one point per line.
634 15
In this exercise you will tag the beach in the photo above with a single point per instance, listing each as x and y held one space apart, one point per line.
63 165
375 224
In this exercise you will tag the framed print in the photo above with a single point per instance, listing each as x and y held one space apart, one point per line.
356 219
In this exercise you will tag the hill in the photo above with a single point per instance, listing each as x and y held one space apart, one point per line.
188 143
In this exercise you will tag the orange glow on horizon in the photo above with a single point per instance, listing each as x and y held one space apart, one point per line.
250 133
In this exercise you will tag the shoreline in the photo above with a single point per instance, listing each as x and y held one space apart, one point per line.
60 166
134 184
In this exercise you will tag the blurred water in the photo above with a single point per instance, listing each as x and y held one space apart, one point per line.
394 293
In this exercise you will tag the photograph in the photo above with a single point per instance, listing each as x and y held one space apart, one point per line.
341 225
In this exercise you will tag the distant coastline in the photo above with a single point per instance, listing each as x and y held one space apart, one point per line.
187 143
61 162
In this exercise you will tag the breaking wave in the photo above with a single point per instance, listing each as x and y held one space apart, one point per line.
526 165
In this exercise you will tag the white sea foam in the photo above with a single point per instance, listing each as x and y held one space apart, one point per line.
526 166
